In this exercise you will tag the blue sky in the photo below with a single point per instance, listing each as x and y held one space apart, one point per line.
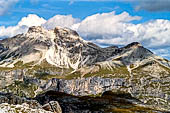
78 9
104 22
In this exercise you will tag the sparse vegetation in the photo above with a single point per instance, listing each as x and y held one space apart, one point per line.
115 72
22 89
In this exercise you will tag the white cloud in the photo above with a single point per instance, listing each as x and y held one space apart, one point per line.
5 5
106 27
32 20
60 20
12 31
22 26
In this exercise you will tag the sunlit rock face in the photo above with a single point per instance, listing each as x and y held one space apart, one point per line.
24 108
60 60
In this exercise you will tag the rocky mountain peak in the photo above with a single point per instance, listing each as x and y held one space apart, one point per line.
37 29
58 33
133 45
59 30
67 34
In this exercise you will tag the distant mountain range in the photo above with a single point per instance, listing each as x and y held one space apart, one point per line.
60 60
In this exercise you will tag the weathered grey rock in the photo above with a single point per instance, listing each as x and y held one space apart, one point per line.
52 106
14 100
9 108
96 85
85 86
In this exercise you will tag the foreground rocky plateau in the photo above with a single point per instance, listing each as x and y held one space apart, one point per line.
57 69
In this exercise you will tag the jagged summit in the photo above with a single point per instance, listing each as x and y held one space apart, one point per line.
36 29
133 45
58 32
39 44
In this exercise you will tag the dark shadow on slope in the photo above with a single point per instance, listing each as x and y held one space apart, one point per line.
107 102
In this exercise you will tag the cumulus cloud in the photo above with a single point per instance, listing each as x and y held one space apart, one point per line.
5 5
60 20
22 26
154 5
105 25
31 20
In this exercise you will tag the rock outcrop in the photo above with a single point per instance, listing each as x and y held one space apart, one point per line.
10 103
24 108
150 90
52 106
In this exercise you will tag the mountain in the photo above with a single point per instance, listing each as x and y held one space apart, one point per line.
60 60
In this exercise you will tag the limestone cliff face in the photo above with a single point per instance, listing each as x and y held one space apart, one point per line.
147 89
60 60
